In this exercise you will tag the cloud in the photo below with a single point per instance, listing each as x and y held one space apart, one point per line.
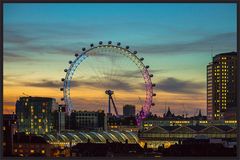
12 36
44 84
174 85
51 84
12 57
220 42
44 39
113 84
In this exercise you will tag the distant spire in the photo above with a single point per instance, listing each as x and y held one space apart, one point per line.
199 113
165 107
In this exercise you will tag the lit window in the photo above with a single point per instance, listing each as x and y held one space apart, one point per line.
32 151
43 151
39 120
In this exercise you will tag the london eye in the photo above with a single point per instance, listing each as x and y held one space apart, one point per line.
114 50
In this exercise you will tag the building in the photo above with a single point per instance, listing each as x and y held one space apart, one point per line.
9 130
169 114
169 135
199 147
71 137
169 119
35 114
31 145
114 149
85 120
59 119
129 110
122 123
148 123
222 87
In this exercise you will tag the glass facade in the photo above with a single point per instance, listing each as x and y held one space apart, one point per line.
74 137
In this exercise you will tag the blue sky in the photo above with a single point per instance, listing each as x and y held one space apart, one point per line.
176 40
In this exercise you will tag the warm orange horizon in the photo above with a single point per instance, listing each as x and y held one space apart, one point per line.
177 46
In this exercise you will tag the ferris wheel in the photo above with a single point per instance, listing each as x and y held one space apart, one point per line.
114 50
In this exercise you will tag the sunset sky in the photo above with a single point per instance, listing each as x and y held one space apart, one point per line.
176 40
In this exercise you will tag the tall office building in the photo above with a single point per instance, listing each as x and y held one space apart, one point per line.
35 114
129 110
222 87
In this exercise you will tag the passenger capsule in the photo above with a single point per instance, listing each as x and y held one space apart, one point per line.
154 94
153 104
70 62
65 70
63 79
61 89
62 99
153 85
83 49
127 47
100 42
151 75
135 52
76 55
147 66
141 59
91 45
109 42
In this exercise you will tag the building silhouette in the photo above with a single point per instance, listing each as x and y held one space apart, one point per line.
129 110
35 114
168 114
85 120
9 130
59 119
222 87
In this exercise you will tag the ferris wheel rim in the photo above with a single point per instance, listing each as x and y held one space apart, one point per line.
130 55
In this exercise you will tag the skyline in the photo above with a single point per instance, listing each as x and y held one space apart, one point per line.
37 48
